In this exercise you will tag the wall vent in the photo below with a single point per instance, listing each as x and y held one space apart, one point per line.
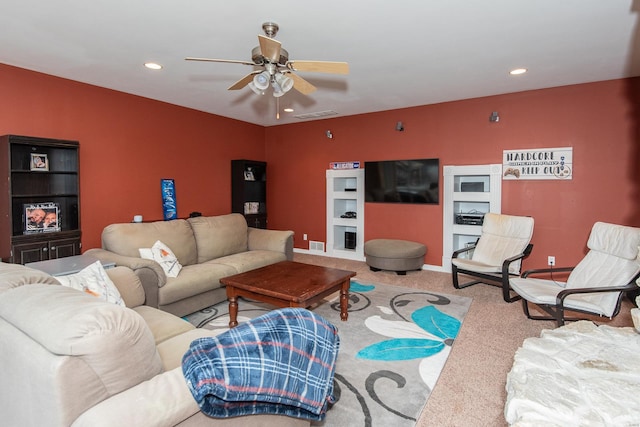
316 115
316 246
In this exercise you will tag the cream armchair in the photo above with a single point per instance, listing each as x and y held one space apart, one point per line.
595 285
498 253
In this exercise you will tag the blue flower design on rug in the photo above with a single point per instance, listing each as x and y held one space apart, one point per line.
429 334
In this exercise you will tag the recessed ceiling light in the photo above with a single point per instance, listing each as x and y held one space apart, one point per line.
517 71
288 110
153 66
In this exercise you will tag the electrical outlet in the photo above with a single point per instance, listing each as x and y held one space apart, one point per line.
304 236
551 260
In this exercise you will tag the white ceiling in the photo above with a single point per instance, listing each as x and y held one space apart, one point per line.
401 54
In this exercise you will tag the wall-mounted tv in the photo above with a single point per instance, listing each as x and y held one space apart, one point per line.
402 181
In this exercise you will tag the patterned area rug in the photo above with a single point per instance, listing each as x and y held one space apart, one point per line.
392 349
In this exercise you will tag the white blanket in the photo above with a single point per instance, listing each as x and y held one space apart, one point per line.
577 375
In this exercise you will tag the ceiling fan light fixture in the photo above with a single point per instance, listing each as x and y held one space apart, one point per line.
285 82
277 90
261 81
255 89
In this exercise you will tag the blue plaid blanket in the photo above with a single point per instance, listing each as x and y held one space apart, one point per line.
282 362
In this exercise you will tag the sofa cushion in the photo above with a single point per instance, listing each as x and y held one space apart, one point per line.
98 334
126 239
15 275
246 261
218 236
194 280
94 281
163 325
172 350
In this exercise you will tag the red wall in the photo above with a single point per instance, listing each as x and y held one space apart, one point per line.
597 120
129 143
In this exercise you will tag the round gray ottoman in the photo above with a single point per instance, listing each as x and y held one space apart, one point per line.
394 255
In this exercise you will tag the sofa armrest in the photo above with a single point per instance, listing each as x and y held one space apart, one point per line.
271 240
149 272
164 400
128 284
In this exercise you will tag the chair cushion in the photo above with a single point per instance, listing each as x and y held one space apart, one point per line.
611 262
503 236
618 240
541 291
478 267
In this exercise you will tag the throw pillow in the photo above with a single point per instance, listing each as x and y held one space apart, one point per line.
161 254
145 253
94 281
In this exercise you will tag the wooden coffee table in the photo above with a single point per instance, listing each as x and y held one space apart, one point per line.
288 284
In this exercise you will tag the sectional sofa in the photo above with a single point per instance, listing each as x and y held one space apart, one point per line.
70 359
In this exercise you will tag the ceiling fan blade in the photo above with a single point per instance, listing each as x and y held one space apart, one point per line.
270 48
230 61
243 81
301 85
319 66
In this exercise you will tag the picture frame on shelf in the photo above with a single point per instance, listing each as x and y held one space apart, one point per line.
39 162
251 208
41 217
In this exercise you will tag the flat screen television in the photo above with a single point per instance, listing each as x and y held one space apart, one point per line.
402 181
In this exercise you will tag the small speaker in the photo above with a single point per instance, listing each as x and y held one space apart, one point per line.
349 240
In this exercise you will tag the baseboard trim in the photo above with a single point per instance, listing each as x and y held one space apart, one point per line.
429 267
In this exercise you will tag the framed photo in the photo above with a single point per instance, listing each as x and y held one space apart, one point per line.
251 207
41 217
39 162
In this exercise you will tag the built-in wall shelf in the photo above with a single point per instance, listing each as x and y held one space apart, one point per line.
345 213
469 192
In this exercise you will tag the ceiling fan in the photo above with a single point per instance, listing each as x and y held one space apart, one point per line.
275 69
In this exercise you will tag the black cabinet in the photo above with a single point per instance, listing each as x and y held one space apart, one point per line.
249 191
40 190
36 249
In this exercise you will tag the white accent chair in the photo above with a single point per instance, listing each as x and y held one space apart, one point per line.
595 285
498 253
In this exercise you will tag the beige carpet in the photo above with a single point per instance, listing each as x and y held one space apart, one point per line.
471 388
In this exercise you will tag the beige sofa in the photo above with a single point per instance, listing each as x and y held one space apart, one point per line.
70 359
208 248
